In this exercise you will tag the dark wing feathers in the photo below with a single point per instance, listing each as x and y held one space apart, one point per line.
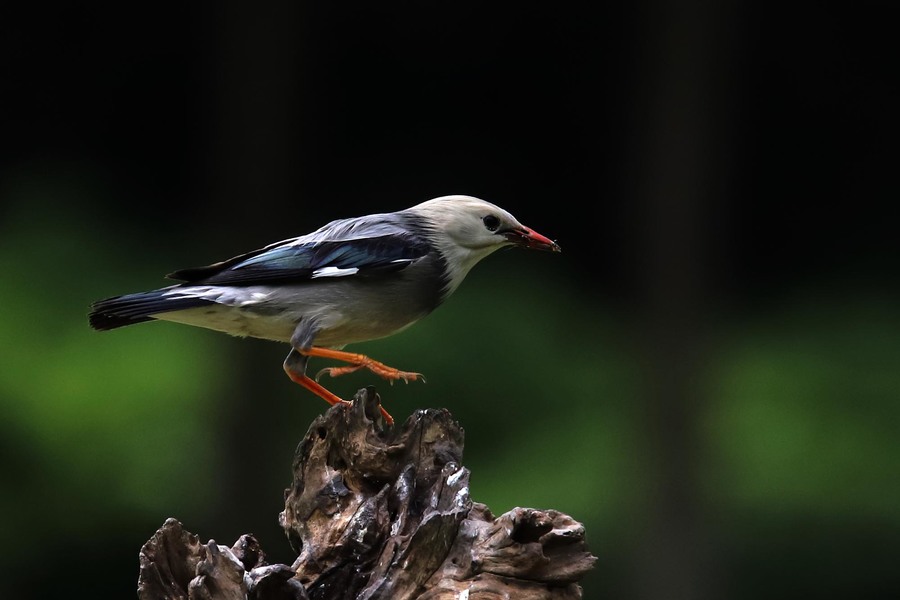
371 247
196 274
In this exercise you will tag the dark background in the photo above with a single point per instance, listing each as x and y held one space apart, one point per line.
706 377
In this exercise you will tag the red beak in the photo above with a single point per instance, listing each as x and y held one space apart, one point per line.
529 238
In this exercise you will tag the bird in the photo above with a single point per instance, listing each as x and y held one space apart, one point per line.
351 280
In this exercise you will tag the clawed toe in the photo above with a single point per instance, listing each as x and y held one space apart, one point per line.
358 361
407 377
337 371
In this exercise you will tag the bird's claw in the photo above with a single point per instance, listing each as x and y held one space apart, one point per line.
407 377
337 371
404 376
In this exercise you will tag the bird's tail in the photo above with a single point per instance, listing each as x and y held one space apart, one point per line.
120 311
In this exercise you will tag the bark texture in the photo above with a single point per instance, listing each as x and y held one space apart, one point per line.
379 513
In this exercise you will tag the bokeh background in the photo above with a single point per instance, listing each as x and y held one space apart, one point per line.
708 377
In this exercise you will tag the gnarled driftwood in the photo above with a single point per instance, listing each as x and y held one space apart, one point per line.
379 513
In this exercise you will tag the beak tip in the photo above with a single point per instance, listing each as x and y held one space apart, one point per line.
541 242
529 238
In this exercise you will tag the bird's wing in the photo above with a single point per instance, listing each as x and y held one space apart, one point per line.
366 246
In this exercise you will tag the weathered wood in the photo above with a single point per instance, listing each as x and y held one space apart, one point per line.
380 513
175 565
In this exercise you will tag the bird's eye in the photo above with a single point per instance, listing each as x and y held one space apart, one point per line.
491 222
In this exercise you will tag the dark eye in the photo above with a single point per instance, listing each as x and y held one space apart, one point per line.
491 222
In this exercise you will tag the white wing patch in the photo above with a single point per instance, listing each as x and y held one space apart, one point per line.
194 291
225 295
334 272
255 298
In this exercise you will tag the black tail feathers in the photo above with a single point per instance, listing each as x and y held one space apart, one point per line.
120 311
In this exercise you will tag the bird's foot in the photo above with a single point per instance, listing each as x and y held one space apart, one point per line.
359 361
380 369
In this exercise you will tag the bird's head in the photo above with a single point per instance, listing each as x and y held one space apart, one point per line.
466 229
480 226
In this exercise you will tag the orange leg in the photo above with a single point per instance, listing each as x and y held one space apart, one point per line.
357 361
321 392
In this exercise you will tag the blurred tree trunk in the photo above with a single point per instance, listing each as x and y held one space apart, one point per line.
254 189
681 168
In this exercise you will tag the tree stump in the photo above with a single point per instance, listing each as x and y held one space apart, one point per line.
379 513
